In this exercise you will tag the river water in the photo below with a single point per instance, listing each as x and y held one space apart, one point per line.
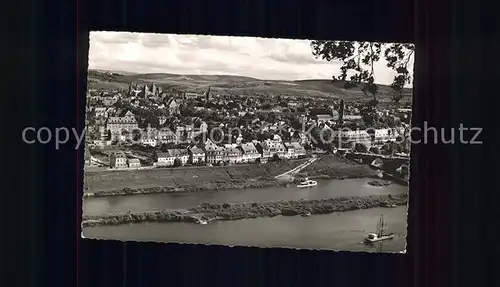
151 202
338 231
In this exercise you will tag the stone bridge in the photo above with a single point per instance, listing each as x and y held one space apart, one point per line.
390 164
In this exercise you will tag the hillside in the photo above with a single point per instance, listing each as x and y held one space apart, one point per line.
224 84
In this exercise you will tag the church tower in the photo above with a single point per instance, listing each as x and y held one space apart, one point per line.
341 111
145 90
153 89
207 95
130 88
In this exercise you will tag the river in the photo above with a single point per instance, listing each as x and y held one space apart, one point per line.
152 202
338 231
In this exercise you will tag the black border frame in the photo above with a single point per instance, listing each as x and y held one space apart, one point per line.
52 252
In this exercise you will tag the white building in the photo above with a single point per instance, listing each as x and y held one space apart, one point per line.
276 146
299 149
119 125
196 155
239 139
383 135
166 136
134 163
213 152
294 150
118 160
250 152
343 139
162 120
352 117
181 154
149 141
164 159
232 155
101 112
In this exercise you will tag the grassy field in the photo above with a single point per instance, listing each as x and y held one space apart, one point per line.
209 178
331 166
184 177
225 84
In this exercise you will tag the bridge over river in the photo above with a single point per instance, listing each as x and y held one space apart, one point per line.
390 163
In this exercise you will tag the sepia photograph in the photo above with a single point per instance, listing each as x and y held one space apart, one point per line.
247 141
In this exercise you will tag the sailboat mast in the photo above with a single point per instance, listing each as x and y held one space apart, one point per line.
378 227
381 226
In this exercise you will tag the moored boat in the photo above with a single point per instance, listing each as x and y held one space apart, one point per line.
307 183
201 221
381 234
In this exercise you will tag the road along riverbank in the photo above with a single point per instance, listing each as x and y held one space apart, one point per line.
227 211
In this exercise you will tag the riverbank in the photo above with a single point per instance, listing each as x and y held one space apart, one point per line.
335 231
226 211
331 166
194 187
399 180
189 179
380 183
171 180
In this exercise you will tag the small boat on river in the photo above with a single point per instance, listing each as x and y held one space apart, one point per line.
381 234
201 221
307 183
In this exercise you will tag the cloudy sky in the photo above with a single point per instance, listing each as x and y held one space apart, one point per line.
262 58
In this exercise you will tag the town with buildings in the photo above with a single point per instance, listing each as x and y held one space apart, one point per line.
147 126
257 131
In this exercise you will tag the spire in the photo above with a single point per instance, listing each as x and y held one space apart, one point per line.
341 111
153 89
207 94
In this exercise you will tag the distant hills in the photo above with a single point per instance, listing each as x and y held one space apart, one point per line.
223 84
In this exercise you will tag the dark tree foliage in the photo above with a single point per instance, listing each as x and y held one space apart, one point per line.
389 148
276 157
177 162
359 58
136 135
360 147
248 135
217 135
369 113
375 150
166 146
264 135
